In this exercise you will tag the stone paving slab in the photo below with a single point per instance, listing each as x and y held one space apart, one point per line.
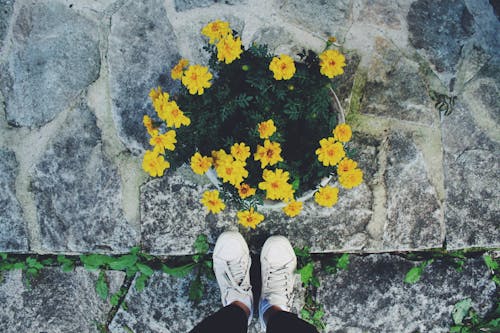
55 302
371 296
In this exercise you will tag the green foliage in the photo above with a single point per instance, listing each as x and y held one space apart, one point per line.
202 266
494 265
101 286
336 263
415 273
466 319
67 265
313 313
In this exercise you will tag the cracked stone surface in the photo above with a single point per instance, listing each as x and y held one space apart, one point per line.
371 296
183 5
142 49
56 301
54 56
5 15
78 192
13 236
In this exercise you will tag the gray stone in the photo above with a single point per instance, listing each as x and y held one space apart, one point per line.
77 192
471 164
328 18
395 88
384 13
440 28
142 50
54 56
55 302
183 5
6 7
413 210
371 296
275 37
13 236
164 306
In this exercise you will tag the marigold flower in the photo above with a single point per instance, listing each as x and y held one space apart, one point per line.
216 30
250 218
342 132
212 201
229 49
330 153
331 63
232 172
154 93
221 157
245 191
200 164
154 164
282 67
240 151
164 141
160 101
293 208
266 129
196 78
174 117
327 196
178 69
276 185
346 165
269 154
351 178
148 123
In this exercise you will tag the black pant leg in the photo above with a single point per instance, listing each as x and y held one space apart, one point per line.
230 319
286 322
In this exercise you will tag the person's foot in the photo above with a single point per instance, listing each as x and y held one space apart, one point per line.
278 263
232 270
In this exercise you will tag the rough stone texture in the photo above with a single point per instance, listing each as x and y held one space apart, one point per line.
164 306
183 5
54 56
56 301
6 7
440 28
142 50
371 296
381 13
328 18
413 210
13 236
78 192
395 88
471 143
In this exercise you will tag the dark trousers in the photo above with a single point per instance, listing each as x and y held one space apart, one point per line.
232 319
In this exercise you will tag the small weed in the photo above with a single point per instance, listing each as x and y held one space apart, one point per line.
466 319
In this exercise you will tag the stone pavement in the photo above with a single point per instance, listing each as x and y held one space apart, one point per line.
74 83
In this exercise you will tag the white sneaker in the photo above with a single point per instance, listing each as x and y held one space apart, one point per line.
232 269
278 263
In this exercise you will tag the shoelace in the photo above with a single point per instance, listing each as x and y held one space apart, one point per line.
278 282
237 275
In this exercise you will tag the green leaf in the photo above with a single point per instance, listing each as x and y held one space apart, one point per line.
413 275
456 329
131 271
306 273
94 261
135 250
343 261
496 279
123 262
140 282
146 270
318 315
3 256
460 310
115 298
305 315
101 286
201 244
178 272
490 262
19 265
32 262
196 290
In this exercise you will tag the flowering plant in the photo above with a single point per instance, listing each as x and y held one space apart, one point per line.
263 123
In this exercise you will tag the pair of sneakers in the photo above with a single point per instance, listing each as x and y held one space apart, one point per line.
232 262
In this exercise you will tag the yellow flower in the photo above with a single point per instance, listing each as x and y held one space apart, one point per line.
200 164
154 93
331 152
276 185
216 30
148 123
164 141
266 129
269 154
154 164
212 202
326 196
282 67
233 172
250 218
229 49
293 208
245 191
240 151
174 117
160 101
220 157
196 78
346 165
342 133
351 178
331 63
178 69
